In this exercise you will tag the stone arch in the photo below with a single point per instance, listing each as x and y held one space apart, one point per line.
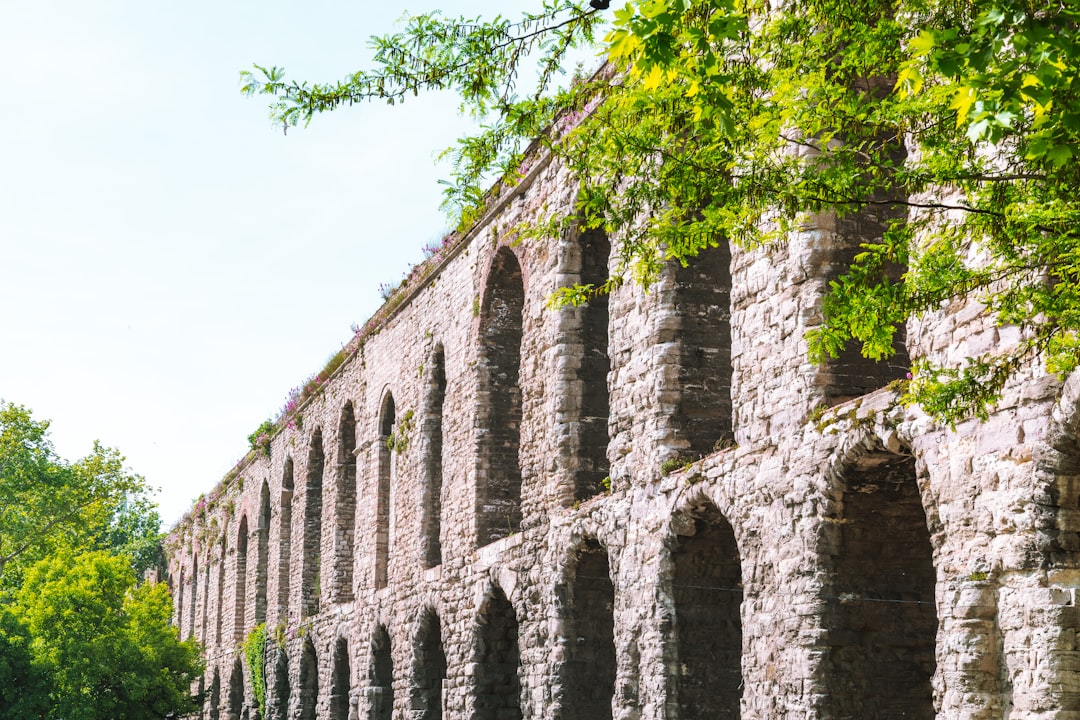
585 394
588 672
262 553
205 616
384 487
431 512
850 375
345 506
220 607
497 659
706 592
309 682
194 601
279 692
310 574
236 691
240 575
285 540
429 669
499 397
181 608
213 702
380 690
879 610
340 682
702 334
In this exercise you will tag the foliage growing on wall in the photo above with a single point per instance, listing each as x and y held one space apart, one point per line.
800 108
254 649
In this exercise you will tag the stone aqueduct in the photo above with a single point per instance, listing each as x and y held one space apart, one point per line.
477 517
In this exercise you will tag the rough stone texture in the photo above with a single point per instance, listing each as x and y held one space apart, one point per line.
861 563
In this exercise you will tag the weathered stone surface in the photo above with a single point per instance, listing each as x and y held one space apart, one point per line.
755 556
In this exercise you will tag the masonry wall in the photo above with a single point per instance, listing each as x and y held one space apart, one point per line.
770 539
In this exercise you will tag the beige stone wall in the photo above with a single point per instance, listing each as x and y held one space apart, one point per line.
856 563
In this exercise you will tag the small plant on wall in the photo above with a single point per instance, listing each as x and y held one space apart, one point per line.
254 649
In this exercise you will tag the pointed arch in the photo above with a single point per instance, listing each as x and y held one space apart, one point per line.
236 689
280 692
193 604
702 297
181 608
213 701
380 676
205 615
285 541
240 575
499 411
310 575
219 614
309 682
431 512
497 660
340 682
429 669
587 400
345 506
707 594
262 554
588 674
384 489
881 616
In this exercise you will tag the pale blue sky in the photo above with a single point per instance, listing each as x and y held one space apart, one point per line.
170 264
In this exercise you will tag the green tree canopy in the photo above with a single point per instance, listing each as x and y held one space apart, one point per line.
48 504
730 120
105 644
79 638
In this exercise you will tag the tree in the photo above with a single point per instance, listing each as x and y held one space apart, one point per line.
105 644
730 119
47 504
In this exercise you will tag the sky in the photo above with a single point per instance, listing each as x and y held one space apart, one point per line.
171 263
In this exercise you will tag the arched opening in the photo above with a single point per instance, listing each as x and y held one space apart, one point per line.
429 671
262 550
707 591
850 375
309 682
192 609
310 580
592 465
431 517
280 692
204 616
588 674
213 702
236 690
880 612
285 541
345 506
386 452
181 608
703 334
240 596
380 690
498 688
498 477
219 613
339 684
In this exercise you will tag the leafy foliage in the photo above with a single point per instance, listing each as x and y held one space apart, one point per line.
48 504
255 646
106 645
954 123
79 639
